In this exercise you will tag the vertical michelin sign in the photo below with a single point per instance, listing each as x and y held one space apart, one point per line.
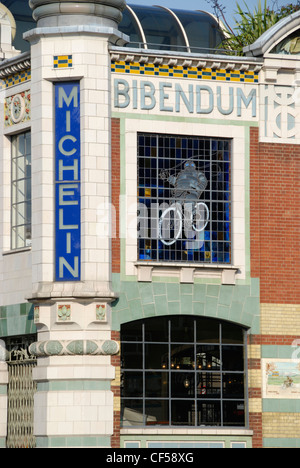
67 182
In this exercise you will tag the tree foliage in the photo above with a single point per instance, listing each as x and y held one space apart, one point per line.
250 25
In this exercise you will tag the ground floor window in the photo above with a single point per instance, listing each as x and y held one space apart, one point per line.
183 371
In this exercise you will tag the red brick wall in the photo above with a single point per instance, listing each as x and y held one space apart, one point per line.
116 187
255 419
275 240
275 219
116 256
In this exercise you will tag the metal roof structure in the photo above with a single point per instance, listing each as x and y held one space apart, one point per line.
148 27
161 28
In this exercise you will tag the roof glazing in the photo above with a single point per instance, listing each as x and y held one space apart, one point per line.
148 27
164 29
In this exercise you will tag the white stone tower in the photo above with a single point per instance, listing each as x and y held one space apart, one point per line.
71 219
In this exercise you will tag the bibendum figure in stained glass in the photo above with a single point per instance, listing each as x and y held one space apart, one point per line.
188 185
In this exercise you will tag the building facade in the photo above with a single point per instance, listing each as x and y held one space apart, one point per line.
149 268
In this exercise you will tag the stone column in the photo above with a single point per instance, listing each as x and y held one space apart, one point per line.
74 401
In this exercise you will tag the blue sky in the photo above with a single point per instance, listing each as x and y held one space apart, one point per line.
204 5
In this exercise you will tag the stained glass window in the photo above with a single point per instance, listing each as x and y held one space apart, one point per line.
184 199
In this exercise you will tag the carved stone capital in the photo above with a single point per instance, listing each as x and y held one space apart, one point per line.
74 348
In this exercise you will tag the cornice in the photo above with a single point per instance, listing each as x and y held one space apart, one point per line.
172 58
15 65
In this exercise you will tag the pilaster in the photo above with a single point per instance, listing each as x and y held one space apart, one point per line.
71 200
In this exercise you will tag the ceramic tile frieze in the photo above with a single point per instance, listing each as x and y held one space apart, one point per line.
17 108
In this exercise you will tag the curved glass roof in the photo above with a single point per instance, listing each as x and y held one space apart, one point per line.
149 27
164 29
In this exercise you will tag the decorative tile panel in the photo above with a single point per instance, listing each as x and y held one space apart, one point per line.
101 312
62 61
16 79
64 312
17 108
279 114
180 71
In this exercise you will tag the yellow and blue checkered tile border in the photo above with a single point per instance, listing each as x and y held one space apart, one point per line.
62 61
13 80
179 71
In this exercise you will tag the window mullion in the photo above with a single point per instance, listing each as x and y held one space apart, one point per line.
170 374
221 374
144 374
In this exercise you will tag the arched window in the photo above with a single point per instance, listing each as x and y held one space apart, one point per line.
288 46
183 371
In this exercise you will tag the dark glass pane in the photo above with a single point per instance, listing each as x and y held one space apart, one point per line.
208 331
132 413
232 334
208 357
28 145
234 413
182 385
209 413
202 384
288 46
129 27
132 331
133 384
233 358
156 356
208 385
157 385
182 330
160 28
182 357
183 413
132 355
233 386
201 30
156 329
157 412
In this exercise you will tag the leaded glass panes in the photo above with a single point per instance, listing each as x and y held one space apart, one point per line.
184 199
173 378
21 191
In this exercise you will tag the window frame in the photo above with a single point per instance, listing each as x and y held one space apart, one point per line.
25 201
215 251
195 373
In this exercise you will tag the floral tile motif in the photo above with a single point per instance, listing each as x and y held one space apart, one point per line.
64 312
17 109
101 312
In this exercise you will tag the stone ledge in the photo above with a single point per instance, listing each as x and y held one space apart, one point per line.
187 273
187 431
